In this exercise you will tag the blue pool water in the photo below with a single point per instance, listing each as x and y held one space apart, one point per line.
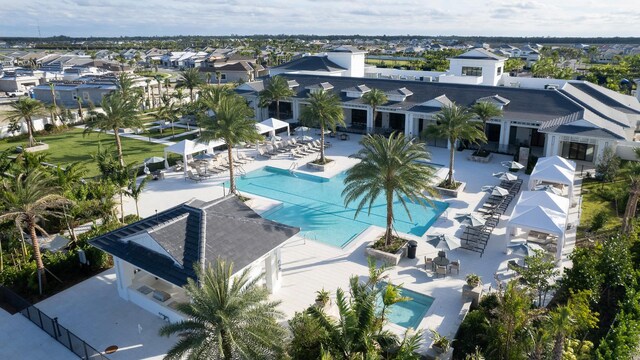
408 313
315 205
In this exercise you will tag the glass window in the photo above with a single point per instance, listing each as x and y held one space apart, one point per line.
471 71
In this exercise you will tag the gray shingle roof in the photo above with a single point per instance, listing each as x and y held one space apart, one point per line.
311 63
227 228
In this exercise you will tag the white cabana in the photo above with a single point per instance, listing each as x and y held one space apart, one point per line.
533 212
185 148
545 199
276 124
552 174
557 160
265 129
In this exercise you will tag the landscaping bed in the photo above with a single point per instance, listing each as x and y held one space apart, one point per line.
391 254
317 165
482 156
444 190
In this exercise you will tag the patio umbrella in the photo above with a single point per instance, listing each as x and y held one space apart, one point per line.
153 160
275 138
301 129
204 156
472 219
304 138
496 190
524 248
443 241
512 165
548 188
503 175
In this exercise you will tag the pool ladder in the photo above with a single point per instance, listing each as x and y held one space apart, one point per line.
240 170
293 166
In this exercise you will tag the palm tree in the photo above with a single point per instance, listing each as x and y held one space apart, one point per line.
210 96
395 167
324 110
219 77
634 195
190 78
52 87
276 90
453 123
485 111
68 179
158 79
27 200
562 323
25 108
374 98
125 86
134 190
80 112
228 317
208 76
118 112
232 123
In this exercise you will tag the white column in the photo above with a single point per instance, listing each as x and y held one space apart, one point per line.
296 109
370 122
505 128
560 246
408 125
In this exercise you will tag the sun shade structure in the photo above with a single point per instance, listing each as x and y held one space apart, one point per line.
549 172
503 175
524 248
542 212
188 147
557 160
472 219
512 165
443 241
276 124
496 190
264 129
153 160
548 188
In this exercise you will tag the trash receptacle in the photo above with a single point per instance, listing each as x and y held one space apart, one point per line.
411 249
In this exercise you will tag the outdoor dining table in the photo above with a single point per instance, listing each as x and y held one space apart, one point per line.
441 261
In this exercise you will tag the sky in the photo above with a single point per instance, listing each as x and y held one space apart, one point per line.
84 18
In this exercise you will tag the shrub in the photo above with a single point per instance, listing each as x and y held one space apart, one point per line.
472 333
49 127
307 337
598 221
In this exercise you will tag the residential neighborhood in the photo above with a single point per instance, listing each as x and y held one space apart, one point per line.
303 196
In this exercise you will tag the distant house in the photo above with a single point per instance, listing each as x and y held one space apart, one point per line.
234 71
155 257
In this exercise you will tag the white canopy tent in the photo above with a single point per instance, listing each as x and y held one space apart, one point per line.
276 124
553 174
265 129
531 213
188 147
545 199
557 160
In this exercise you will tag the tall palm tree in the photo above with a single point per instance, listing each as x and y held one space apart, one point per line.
228 317
276 90
453 123
52 87
118 112
395 168
25 108
190 78
325 111
210 96
374 98
219 77
208 76
485 111
634 195
158 79
27 200
561 323
125 86
134 190
233 123
80 111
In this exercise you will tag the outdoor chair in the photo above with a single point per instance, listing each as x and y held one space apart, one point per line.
202 174
261 153
296 155
428 263
236 159
454 265
246 157
192 176
441 270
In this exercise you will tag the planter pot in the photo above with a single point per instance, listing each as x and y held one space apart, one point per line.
481 159
438 349
36 148
388 258
323 305
474 294
451 193
320 167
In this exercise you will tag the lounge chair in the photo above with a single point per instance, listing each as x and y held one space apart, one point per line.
194 177
296 155
246 157
236 159
203 174
263 154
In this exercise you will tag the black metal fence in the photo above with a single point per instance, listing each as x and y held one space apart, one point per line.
49 325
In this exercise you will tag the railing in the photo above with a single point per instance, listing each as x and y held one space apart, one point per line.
240 170
50 326
292 168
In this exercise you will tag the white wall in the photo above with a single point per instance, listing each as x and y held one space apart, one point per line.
489 69
625 150
531 83
376 72
353 62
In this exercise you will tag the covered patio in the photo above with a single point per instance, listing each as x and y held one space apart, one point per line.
555 171
187 148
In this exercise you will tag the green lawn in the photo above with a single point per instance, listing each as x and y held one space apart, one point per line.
594 201
390 63
71 146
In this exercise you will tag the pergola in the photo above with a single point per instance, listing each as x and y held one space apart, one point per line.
552 173
542 212
276 124
186 148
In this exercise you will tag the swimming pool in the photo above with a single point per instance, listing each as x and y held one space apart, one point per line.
315 205
408 313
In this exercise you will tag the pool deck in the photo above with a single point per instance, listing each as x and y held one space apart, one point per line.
307 265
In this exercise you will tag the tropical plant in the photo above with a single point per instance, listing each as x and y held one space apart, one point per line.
472 280
485 111
325 111
190 79
28 200
167 112
25 108
374 98
80 110
538 273
232 123
608 165
440 341
453 123
395 168
229 317
118 112
634 195
211 96
134 190
277 89
323 297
